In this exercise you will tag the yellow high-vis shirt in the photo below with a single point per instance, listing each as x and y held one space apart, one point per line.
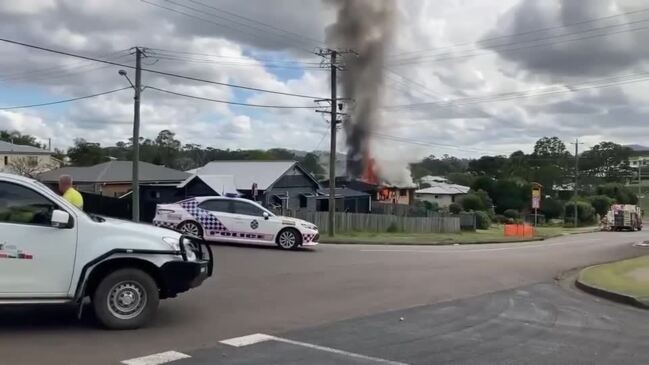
74 197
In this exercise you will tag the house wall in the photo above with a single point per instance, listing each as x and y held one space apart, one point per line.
45 162
396 196
295 183
443 200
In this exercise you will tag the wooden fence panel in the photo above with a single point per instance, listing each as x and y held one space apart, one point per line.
349 222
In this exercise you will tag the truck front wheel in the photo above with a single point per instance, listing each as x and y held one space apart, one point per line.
126 299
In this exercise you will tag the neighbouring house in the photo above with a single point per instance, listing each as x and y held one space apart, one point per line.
114 178
26 160
432 180
279 185
442 193
347 200
201 184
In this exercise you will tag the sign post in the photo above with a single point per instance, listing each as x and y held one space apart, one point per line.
536 200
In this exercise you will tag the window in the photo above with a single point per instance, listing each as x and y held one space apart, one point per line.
216 205
240 207
6 160
403 192
19 204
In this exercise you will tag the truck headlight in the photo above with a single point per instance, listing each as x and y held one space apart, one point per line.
173 242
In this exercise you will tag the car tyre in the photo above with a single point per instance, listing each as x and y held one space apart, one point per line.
126 299
191 228
289 239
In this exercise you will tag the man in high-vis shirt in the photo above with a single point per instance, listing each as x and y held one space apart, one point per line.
68 192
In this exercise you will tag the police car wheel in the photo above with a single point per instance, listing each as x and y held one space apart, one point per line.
126 299
289 239
191 229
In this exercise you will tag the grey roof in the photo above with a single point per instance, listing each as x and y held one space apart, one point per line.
263 173
221 184
115 171
444 189
10 148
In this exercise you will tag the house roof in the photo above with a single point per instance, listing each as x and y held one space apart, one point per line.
263 173
10 148
444 189
221 184
114 172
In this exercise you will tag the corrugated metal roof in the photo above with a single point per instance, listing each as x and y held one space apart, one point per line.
6 147
115 171
444 189
245 173
221 184
345 192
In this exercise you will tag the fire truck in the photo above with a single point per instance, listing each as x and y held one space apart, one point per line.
624 216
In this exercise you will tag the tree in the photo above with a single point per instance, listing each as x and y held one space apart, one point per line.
460 178
472 202
488 165
510 194
16 137
608 161
601 204
552 208
85 153
585 212
551 147
620 193
454 208
485 183
311 163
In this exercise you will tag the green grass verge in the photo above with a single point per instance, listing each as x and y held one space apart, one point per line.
629 277
494 234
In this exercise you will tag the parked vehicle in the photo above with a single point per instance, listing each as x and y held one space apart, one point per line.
624 216
224 219
53 252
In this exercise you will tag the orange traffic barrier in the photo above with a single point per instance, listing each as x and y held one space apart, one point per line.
519 230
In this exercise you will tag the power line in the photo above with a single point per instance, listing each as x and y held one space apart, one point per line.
64 101
202 12
212 55
232 64
595 84
486 40
426 143
156 71
435 58
231 102
297 35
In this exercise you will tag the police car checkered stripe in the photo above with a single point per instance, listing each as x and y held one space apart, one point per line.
202 216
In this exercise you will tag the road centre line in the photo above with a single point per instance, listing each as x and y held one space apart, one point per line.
157 359
260 337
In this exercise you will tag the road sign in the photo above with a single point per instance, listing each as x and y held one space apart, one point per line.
536 202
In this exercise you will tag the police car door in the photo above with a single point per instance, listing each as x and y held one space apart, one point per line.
251 224
36 259
215 219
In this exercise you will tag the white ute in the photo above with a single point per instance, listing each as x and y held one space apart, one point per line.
52 252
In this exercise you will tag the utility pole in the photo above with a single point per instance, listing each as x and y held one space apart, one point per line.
136 136
640 160
576 189
333 64
332 149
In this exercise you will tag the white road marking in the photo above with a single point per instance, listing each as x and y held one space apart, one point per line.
156 359
260 337
247 340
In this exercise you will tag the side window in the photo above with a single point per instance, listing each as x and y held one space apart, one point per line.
247 209
19 204
216 205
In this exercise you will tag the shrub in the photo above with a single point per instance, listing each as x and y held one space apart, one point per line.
392 228
512 213
454 208
472 202
482 220
431 206
552 208
601 204
619 192
585 212
500 219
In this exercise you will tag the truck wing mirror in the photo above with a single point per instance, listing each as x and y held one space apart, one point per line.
60 219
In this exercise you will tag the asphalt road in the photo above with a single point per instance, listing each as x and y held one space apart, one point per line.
335 293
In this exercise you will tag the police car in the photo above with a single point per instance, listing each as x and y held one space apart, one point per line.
53 252
225 219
